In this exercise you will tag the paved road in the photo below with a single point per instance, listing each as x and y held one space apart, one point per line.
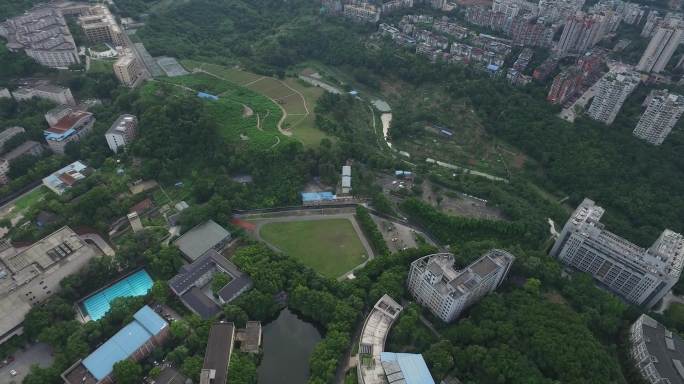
40 354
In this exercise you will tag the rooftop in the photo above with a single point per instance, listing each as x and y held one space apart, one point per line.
219 347
405 368
146 324
27 147
64 178
188 283
68 122
198 240
373 336
121 123
664 349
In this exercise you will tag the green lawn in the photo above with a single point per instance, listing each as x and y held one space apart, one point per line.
331 247
31 198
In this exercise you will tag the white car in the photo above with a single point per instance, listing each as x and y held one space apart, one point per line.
13 372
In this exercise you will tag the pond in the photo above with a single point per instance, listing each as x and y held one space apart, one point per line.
287 345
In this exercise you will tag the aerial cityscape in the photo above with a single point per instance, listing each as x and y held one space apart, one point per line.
341 191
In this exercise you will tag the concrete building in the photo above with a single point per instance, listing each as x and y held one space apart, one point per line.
250 337
395 5
99 25
662 46
374 333
435 283
122 132
198 240
217 356
657 351
192 284
346 180
57 113
405 368
31 275
612 91
128 70
60 181
662 113
135 341
28 148
44 35
361 12
10 133
134 220
581 32
71 128
54 93
564 86
640 276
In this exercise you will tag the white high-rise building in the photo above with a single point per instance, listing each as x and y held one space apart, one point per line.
613 89
128 70
661 115
640 276
663 44
447 292
122 132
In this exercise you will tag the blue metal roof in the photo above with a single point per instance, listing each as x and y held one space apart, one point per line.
146 323
413 367
205 95
138 284
317 196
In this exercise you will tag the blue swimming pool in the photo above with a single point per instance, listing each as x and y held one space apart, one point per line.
136 284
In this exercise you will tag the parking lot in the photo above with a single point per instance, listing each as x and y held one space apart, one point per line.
39 353
396 236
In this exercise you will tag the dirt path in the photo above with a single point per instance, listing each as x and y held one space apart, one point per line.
247 111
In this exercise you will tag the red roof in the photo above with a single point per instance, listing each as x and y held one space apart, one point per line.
68 121
67 179
142 206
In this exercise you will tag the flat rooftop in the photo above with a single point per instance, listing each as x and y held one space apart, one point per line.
198 240
219 347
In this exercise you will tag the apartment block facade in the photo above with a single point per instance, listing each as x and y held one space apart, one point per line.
640 276
662 46
436 284
122 132
662 113
613 89
128 70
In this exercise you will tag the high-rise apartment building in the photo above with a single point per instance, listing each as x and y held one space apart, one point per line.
565 85
128 70
435 283
122 132
662 113
612 91
362 12
663 44
581 32
640 276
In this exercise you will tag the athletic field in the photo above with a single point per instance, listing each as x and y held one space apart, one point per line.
330 246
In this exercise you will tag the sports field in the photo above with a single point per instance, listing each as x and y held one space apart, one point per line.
330 246
296 99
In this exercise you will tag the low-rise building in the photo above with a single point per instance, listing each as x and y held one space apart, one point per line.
42 33
217 357
200 239
31 275
135 341
250 337
60 181
122 132
346 180
128 70
28 148
57 113
71 128
374 333
54 93
193 284
447 292
10 133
